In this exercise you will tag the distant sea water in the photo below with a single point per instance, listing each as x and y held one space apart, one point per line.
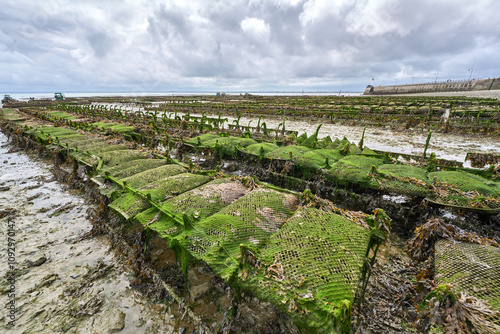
27 96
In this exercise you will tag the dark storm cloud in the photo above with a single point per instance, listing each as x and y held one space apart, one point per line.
243 44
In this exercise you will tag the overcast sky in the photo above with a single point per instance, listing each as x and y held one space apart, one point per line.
274 45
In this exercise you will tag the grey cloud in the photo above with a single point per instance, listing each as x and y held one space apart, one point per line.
201 45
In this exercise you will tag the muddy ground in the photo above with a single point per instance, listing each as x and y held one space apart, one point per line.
67 280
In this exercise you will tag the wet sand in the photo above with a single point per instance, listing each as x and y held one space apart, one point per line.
67 281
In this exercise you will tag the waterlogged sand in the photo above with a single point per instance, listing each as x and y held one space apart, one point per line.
67 281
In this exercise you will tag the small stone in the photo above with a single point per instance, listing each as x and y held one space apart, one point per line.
200 290
36 263
111 321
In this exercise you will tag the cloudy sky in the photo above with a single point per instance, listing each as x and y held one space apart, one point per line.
243 45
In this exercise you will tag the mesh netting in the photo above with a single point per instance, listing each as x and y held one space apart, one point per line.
316 159
354 169
129 204
172 186
80 141
129 168
350 166
233 141
202 139
283 153
56 131
133 202
247 221
473 268
197 204
397 179
141 179
309 266
463 181
208 199
97 147
262 149
60 114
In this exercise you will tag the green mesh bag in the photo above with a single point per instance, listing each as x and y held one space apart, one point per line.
98 147
261 149
231 141
283 153
172 186
103 125
197 204
133 201
248 221
472 268
228 145
60 114
119 157
109 159
309 268
56 131
317 159
139 180
135 166
325 142
129 204
208 199
464 181
123 129
80 141
354 170
409 180
202 139
369 152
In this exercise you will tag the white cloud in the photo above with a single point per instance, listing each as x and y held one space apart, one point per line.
318 10
175 44
373 18
257 29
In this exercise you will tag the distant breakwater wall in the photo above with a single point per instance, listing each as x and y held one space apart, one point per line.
436 87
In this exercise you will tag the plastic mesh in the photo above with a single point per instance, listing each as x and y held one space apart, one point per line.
132 202
136 166
129 204
472 268
139 180
354 169
317 158
97 147
247 221
197 204
172 186
208 199
283 153
261 149
309 266
395 176
202 139
463 181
